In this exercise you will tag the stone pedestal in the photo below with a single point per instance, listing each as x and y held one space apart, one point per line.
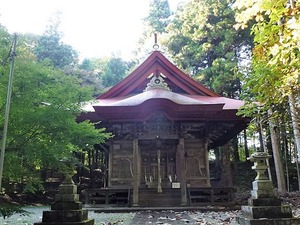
264 208
67 210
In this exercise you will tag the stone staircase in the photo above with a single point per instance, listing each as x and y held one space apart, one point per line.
151 198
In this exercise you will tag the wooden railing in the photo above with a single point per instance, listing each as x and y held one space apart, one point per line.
198 196
121 197
118 197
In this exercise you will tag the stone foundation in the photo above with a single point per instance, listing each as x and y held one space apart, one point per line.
265 221
67 210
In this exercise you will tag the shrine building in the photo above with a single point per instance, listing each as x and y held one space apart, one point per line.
163 123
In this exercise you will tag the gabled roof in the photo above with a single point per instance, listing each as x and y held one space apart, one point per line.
157 63
158 87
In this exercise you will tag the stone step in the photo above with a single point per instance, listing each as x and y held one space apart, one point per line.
169 197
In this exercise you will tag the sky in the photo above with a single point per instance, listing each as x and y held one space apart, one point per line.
95 28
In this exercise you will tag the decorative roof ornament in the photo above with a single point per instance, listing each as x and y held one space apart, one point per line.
155 46
157 82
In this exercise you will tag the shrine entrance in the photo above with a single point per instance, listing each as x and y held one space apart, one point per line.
158 159
163 124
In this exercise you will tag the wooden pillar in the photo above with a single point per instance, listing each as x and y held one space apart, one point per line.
136 173
159 188
181 151
110 163
207 162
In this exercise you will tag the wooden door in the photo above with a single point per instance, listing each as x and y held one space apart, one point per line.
150 164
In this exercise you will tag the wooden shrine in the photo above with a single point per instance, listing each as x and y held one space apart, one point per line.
164 124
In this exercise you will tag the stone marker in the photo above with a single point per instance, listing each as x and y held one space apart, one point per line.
66 210
264 208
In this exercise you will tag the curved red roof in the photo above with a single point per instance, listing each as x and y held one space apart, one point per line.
157 62
146 92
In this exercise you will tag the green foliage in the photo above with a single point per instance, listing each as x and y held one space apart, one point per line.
101 73
87 65
115 70
7 210
159 16
203 41
94 64
275 78
51 50
5 43
276 53
33 184
42 124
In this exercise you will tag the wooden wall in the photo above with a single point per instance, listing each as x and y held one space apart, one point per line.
196 163
121 163
196 166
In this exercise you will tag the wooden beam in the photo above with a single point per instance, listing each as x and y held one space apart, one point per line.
181 151
136 176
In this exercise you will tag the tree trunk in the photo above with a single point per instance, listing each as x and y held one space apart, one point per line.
226 178
246 144
276 153
263 146
286 157
235 145
295 123
261 136
217 163
296 130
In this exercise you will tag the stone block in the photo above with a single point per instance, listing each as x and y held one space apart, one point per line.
67 189
265 221
257 212
86 222
65 216
255 194
262 189
66 206
264 202
67 197
263 185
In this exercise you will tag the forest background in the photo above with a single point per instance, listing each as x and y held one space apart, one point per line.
242 49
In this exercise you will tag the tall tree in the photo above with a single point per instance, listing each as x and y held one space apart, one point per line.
246 144
115 70
5 41
89 73
156 22
5 48
159 16
295 122
42 127
275 140
203 41
101 73
51 49
276 53
276 50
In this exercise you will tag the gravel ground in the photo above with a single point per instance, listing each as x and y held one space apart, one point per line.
36 216
185 217
167 217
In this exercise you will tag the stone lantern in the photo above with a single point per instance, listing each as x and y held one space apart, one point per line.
264 208
67 209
